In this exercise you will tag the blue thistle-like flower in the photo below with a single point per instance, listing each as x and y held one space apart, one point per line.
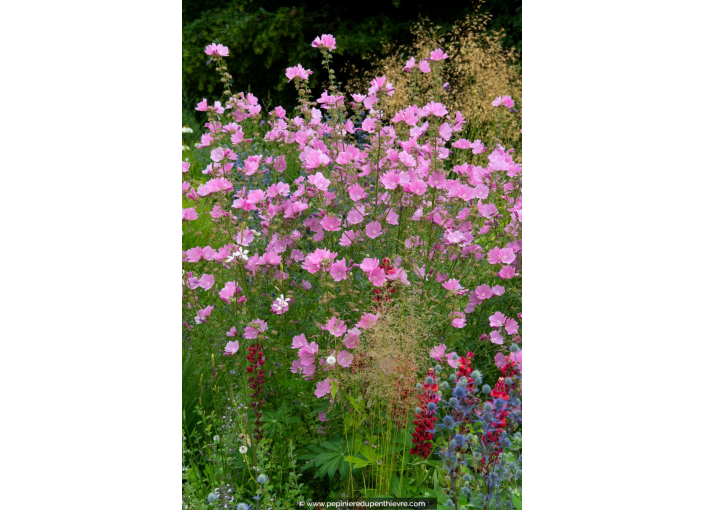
514 348
508 381
428 380
460 392
448 421
486 389
453 377
262 479
212 497
438 368
432 407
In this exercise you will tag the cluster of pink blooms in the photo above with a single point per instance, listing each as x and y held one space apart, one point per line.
450 202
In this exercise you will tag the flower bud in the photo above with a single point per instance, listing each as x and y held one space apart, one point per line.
486 389
514 348
508 381
212 497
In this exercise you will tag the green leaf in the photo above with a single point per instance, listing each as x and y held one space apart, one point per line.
358 463
517 501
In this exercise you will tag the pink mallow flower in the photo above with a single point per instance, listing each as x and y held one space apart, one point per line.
203 314
496 338
438 352
298 72
323 388
231 348
351 339
344 358
255 327
338 270
367 321
438 54
217 50
335 326
459 320
325 41
497 320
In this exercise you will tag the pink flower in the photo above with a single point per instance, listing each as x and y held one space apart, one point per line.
437 109
517 357
206 281
496 338
511 326
438 352
497 320
203 314
368 125
507 272
298 72
318 260
373 229
460 319
507 255
410 64
232 332
335 326
500 360
357 192
424 66
452 285
254 328
484 292
487 210
345 359
322 416
368 264
217 154
189 214
507 101
323 388
230 289
497 290
319 181
331 223
351 339
231 348
299 341
438 54
338 270
367 321
326 41
217 50
377 277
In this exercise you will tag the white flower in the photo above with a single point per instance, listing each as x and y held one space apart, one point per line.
185 148
186 129
243 449
331 360
238 254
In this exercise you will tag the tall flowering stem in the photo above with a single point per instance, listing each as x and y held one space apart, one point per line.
424 422
256 382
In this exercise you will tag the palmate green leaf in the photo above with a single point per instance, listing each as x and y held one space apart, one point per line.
358 462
